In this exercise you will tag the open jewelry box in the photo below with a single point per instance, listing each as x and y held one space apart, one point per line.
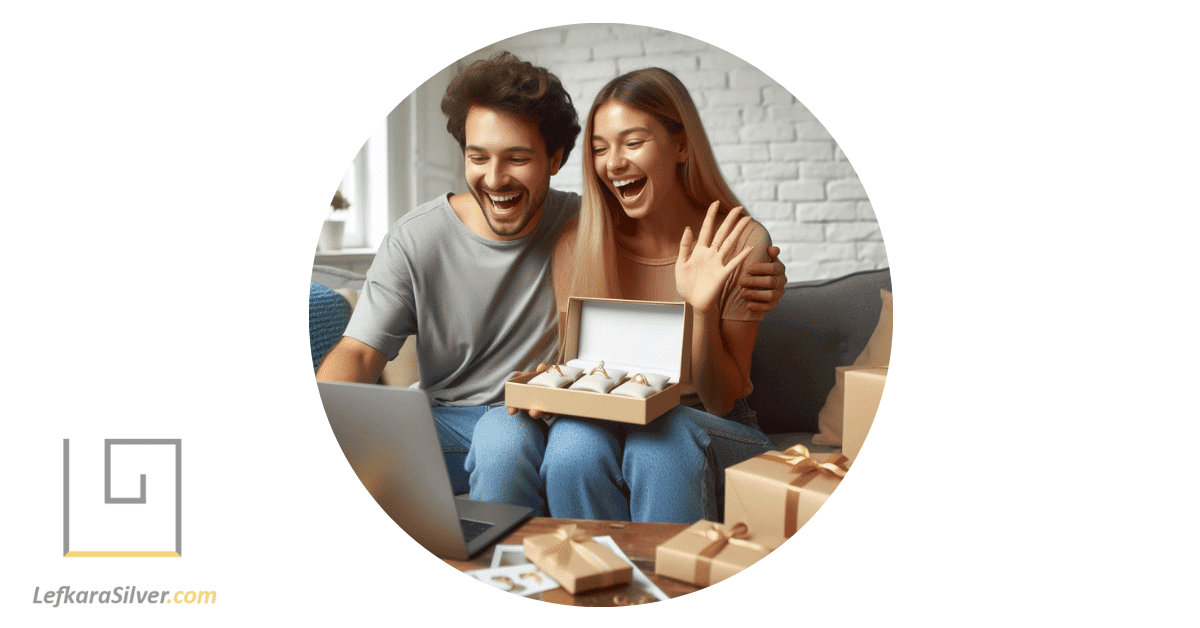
638 337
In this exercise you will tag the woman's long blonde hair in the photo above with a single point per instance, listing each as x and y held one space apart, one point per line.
660 94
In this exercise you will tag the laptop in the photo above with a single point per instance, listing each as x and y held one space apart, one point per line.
390 439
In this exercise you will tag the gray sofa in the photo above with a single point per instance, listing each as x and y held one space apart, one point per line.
817 326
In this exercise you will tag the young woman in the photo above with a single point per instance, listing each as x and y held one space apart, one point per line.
658 222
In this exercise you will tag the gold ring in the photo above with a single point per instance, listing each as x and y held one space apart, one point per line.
512 586
557 369
601 369
639 379
532 574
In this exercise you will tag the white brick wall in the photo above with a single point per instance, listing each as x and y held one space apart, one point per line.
778 158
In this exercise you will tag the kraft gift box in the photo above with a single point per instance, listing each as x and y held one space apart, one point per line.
576 561
631 336
777 492
707 552
863 390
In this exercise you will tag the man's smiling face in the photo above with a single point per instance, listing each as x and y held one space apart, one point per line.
507 170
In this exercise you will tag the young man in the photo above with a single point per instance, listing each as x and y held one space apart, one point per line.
469 274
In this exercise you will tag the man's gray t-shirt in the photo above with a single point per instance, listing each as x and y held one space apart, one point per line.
481 309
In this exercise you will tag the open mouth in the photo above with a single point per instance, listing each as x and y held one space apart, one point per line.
629 188
505 203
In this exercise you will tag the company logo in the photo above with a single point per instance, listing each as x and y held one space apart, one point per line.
134 509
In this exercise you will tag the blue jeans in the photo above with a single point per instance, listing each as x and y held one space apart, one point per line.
671 470
494 456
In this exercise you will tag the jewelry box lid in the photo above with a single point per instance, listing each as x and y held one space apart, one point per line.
650 335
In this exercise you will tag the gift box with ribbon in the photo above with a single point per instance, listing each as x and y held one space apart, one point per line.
864 389
777 492
576 561
707 552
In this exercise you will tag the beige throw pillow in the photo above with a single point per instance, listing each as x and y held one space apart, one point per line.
878 352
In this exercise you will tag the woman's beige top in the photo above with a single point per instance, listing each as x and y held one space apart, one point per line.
645 279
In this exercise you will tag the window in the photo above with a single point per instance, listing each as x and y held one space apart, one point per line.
365 185
409 160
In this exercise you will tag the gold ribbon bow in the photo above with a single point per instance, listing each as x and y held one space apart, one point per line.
570 541
800 461
720 539
561 551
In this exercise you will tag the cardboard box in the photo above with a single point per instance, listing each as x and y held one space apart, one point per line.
778 492
707 552
863 390
633 336
576 561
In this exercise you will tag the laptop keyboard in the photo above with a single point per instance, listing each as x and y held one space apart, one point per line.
472 529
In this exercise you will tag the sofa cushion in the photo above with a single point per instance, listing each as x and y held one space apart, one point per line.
338 278
817 326
878 351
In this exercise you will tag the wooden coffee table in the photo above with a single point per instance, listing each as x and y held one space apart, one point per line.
637 540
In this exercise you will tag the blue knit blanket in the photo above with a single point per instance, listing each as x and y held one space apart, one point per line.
328 315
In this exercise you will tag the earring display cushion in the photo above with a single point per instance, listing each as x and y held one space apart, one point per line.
559 376
598 383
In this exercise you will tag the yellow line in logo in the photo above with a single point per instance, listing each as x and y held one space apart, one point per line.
74 554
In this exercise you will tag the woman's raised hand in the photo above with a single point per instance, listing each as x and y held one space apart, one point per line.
705 263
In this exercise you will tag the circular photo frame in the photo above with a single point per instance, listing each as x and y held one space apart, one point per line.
616 162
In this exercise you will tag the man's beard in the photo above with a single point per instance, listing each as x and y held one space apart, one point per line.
511 224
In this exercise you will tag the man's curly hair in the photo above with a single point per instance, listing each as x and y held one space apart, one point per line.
505 83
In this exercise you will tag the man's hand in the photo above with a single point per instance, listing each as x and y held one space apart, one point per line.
533 412
763 283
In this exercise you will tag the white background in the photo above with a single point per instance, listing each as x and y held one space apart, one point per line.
1031 461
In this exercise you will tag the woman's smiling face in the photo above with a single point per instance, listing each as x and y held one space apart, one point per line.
635 157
